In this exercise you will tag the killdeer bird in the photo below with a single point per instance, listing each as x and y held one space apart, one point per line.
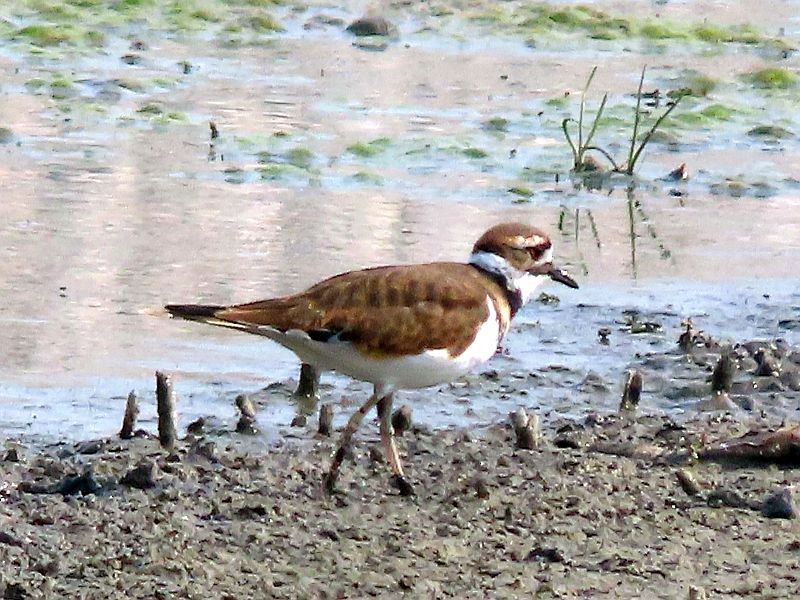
401 327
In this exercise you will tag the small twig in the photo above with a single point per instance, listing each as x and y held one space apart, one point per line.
131 414
165 401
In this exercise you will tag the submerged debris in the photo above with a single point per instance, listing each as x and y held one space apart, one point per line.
778 446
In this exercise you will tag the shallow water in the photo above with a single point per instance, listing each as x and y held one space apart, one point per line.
110 212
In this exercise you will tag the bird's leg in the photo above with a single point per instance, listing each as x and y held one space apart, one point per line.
344 441
389 447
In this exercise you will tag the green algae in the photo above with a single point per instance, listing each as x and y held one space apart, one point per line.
694 84
718 112
369 149
772 78
278 171
368 178
472 152
300 157
521 192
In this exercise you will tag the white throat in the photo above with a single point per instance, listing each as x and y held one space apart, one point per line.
521 282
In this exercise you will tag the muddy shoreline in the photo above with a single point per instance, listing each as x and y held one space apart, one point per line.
217 519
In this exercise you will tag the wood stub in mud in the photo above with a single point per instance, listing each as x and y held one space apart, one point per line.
526 429
308 386
325 420
131 414
401 420
247 415
724 372
165 406
631 391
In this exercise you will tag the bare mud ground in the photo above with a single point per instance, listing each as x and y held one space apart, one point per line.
488 520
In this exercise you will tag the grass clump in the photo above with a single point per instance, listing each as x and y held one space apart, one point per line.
300 157
770 131
369 149
496 124
694 84
586 164
264 22
772 78
661 31
46 35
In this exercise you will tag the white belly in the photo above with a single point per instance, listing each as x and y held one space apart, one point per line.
431 367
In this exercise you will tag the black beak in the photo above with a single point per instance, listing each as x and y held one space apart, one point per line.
561 277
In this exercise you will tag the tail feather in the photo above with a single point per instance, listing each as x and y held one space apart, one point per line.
193 311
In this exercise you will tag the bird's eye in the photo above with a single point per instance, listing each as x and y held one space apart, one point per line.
538 251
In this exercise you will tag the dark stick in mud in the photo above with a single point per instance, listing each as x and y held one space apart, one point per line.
308 386
131 414
325 420
165 403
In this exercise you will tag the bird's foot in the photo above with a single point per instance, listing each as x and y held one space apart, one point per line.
402 484
329 483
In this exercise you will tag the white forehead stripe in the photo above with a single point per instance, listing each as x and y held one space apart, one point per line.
535 240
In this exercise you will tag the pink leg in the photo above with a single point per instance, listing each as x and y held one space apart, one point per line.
344 442
389 447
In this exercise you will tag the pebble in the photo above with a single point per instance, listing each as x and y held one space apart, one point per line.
142 476
779 505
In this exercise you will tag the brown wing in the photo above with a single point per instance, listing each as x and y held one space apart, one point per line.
382 311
